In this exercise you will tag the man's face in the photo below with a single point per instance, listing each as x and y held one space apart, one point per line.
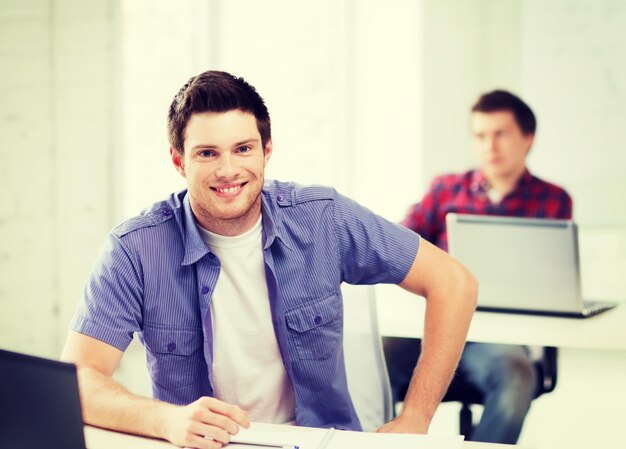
224 166
499 143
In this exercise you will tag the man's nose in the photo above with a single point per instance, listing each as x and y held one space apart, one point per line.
490 144
225 166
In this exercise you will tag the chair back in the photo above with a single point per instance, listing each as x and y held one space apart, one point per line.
545 363
546 367
366 371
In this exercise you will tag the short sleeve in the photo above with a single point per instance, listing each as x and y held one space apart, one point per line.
372 249
111 306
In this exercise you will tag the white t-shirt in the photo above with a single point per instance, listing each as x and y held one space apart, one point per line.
248 369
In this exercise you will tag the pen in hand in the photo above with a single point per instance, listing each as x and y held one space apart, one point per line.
264 445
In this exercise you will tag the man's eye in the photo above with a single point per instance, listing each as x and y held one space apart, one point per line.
244 149
206 153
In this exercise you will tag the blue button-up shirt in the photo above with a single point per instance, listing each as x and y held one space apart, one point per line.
155 276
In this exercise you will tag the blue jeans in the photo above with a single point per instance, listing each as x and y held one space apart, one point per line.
504 373
506 376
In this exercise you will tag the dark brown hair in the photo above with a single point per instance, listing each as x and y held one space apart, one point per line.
215 91
501 100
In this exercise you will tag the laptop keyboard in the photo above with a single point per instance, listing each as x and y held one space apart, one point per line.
595 307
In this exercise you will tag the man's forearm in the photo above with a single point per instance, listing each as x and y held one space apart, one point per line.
450 291
108 404
442 345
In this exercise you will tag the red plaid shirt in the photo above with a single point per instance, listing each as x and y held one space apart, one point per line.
466 193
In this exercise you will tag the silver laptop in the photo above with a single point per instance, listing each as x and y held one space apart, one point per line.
39 403
523 265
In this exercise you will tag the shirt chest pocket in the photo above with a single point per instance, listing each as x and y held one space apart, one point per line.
315 328
174 354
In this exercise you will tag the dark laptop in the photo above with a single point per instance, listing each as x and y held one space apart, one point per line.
39 403
523 265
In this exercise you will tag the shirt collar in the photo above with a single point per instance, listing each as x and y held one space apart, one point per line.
480 183
271 227
525 180
196 249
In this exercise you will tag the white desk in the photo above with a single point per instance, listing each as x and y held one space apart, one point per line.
97 438
586 409
400 314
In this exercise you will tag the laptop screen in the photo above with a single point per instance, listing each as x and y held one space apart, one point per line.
520 263
40 405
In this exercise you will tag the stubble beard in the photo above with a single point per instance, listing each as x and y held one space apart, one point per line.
226 224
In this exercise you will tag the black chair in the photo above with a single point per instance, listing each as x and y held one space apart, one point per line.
401 354
463 392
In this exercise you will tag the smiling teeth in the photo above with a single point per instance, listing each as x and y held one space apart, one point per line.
229 189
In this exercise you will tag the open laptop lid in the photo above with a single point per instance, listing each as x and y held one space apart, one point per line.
39 403
522 264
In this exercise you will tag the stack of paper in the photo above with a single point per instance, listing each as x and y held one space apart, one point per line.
264 436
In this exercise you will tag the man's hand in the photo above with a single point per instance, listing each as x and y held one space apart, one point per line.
403 424
207 423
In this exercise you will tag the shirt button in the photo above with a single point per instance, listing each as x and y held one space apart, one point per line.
171 347
317 320
204 290
280 197
167 212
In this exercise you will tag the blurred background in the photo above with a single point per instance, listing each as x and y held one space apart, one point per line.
369 96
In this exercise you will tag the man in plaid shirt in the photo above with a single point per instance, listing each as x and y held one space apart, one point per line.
503 129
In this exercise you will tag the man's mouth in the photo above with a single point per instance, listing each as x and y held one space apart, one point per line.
229 190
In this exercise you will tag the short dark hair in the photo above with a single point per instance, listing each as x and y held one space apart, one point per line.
501 100
215 91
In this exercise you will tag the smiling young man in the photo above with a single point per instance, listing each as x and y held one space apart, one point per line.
503 129
233 286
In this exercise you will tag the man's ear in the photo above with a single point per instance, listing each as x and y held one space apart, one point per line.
267 152
177 160
530 138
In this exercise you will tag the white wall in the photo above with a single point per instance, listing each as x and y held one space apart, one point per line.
57 63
